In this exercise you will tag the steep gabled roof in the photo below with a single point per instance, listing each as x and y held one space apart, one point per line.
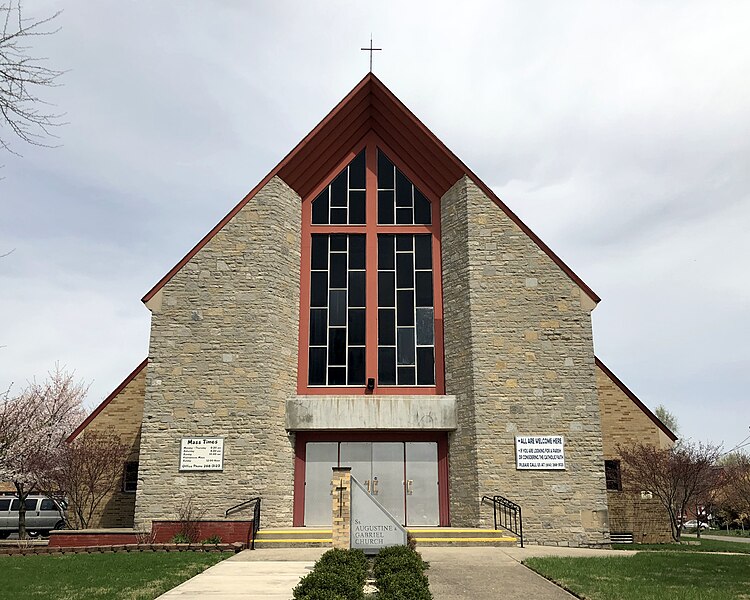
106 401
371 106
667 431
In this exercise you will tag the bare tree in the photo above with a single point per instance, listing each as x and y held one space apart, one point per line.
33 427
681 478
87 470
22 75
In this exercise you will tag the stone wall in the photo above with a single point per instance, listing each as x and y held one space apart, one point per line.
520 361
623 423
222 361
121 416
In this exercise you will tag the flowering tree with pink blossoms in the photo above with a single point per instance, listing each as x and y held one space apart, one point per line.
33 428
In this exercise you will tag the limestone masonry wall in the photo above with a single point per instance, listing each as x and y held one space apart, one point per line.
520 360
623 422
121 416
222 361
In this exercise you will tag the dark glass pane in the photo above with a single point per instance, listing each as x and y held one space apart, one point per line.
424 288
386 327
320 209
338 190
319 252
319 288
337 306
425 327
421 209
357 172
403 216
385 172
356 366
338 270
356 208
386 289
425 366
423 251
357 327
356 288
386 366
405 346
404 271
404 242
406 376
336 375
338 242
317 367
405 308
337 346
386 255
356 252
338 216
385 208
318 327
403 190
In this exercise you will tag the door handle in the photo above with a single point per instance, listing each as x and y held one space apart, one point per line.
367 485
409 487
374 486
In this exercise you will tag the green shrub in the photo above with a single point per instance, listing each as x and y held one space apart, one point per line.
404 585
317 582
214 539
397 559
179 538
350 561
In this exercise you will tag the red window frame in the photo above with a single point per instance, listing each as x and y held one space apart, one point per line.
371 229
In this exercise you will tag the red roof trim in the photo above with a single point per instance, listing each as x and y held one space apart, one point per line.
635 399
106 401
344 112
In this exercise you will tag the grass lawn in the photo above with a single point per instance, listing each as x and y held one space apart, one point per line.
136 576
705 546
650 576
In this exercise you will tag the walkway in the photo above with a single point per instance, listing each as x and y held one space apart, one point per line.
479 573
719 538
488 573
250 575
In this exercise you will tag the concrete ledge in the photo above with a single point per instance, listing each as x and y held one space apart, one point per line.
428 413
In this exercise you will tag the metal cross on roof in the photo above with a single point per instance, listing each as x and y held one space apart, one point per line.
371 50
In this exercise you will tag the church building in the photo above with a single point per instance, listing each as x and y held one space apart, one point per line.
372 303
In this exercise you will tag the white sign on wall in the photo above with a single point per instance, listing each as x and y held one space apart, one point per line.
202 454
540 452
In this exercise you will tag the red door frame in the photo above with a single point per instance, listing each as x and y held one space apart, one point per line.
371 142
300 451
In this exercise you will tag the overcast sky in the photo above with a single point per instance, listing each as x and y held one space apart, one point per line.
619 132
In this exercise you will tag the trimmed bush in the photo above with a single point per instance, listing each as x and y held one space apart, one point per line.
338 575
397 559
399 574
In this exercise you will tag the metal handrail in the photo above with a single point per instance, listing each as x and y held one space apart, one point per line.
510 515
256 515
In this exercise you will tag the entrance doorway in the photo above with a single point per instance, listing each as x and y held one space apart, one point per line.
402 476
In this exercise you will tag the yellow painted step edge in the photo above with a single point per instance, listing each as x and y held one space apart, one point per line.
450 530
292 531
465 539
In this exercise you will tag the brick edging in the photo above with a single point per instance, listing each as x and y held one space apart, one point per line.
57 551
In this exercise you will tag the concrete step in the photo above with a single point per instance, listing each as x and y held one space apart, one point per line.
315 537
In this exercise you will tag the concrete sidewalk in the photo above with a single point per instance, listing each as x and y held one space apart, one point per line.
456 573
251 575
490 573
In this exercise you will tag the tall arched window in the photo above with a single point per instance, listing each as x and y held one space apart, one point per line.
371 286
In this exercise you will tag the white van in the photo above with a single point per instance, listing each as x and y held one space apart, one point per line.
43 514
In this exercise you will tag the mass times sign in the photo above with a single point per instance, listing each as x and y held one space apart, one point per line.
540 452
202 454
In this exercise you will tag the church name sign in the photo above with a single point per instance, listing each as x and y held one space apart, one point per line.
546 452
202 454
372 526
